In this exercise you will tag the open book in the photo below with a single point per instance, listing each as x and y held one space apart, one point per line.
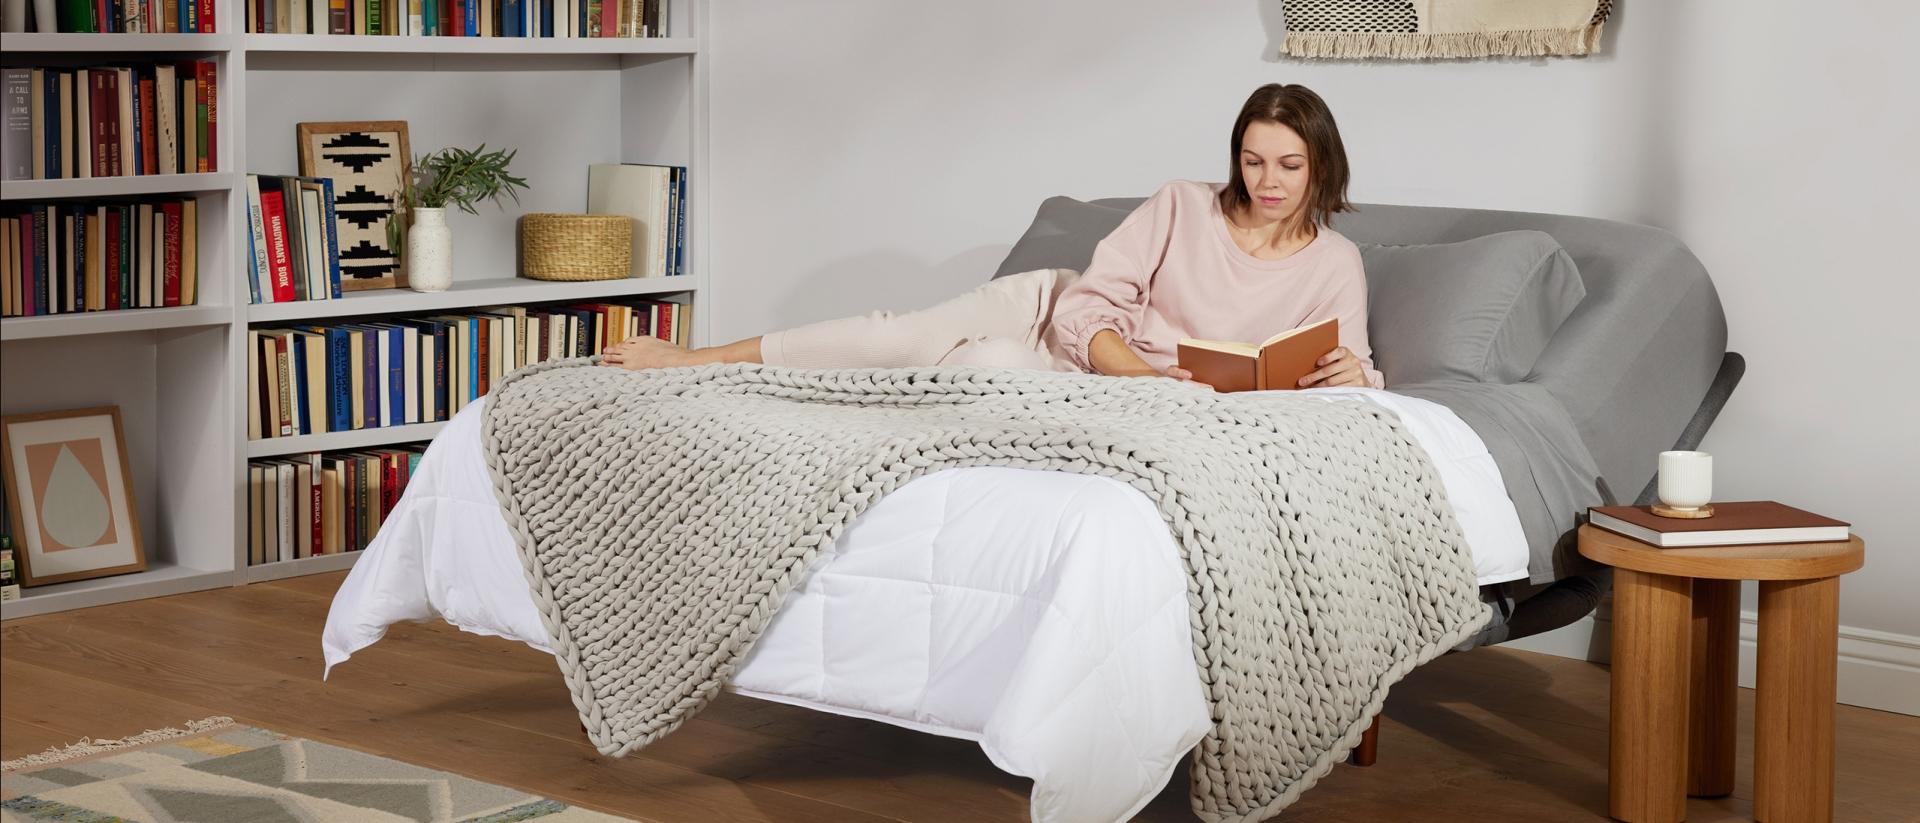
1276 363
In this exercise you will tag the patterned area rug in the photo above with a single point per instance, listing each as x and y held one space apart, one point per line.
218 772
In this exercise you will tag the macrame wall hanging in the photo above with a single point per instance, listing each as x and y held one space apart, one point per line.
1441 29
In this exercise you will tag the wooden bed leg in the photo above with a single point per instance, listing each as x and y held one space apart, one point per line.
1364 754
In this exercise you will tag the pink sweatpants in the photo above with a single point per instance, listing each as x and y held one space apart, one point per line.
1005 323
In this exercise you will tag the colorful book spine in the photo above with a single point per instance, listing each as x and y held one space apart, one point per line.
210 116
273 212
331 221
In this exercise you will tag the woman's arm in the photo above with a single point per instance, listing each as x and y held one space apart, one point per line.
1110 355
1111 293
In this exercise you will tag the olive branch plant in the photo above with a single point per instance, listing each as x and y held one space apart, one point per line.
459 177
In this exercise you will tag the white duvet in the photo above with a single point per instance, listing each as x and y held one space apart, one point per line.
1042 614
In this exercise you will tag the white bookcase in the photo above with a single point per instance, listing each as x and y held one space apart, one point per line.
179 375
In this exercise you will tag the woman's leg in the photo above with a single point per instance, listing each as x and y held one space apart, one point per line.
1014 307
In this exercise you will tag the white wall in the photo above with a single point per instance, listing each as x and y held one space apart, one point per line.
869 153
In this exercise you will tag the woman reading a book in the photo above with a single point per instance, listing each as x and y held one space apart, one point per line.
1239 261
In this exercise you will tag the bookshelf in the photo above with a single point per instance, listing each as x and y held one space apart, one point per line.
179 374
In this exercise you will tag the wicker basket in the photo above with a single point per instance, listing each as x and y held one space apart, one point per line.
576 246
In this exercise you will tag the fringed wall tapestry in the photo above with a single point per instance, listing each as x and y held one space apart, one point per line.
1441 29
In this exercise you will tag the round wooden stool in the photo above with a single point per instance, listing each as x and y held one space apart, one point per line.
1676 630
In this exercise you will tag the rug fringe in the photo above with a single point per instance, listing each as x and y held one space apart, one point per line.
1405 46
89 746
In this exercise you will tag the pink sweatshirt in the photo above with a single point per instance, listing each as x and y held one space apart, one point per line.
1171 270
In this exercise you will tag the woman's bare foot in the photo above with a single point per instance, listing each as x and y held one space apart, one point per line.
648 353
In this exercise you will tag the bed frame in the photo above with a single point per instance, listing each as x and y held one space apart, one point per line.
1643 354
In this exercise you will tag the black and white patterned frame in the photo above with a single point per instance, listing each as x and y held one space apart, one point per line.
369 162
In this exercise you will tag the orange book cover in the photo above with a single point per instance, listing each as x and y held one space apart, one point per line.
1275 363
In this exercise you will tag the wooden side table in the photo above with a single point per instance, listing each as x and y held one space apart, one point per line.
1675 655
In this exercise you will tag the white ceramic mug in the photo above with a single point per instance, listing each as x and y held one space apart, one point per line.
1686 479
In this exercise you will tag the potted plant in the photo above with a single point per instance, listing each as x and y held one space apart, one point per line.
451 176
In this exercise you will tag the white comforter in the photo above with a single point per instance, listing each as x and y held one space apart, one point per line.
1042 614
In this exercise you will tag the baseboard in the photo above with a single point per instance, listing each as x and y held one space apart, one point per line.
1878 670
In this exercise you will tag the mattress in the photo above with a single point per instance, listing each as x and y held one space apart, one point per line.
1042 614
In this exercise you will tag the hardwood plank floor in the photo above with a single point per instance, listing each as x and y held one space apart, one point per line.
1491 734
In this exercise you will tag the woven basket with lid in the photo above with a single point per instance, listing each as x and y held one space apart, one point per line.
576 246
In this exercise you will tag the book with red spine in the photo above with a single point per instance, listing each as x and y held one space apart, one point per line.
170 268
316 544
273 212
149 128
206 15
390 483
97 119
106 112
115 248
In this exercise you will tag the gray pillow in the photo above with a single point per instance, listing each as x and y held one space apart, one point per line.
1063 235
1479 310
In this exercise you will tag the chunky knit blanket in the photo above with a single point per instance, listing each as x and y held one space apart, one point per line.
664 515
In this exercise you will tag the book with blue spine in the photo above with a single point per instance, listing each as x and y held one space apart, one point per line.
339 377
136 163
50 122
77 296
473 360
333 238
680 228
369 366
42 260
396 351
127 251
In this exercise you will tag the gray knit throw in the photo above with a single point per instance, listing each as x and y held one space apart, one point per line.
664 515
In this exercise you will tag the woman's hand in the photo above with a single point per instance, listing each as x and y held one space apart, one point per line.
1337 368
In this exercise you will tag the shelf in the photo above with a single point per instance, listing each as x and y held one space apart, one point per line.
368 44
124 186
494 292
75 42
299 568
158 580
335 441
110 322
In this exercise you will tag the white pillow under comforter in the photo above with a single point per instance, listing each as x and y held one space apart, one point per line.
1042 614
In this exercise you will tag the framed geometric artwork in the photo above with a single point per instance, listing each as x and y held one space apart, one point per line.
69 498
370 164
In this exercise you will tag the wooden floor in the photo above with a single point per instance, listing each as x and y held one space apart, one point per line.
1487 735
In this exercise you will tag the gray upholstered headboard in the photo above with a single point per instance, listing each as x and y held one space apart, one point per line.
1632 366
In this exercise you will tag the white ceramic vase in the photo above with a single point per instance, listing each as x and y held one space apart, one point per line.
429 251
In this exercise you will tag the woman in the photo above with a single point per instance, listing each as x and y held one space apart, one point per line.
1239 261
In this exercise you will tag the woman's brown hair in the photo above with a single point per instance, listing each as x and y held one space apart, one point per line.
1298 108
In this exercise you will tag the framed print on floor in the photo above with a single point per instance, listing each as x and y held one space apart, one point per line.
69 496
370 167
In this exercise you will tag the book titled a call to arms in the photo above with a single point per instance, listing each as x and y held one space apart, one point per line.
1732 524
1277 363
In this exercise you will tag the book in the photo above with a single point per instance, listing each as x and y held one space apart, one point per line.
1275 363
1732 524
189 252
20 145
640 192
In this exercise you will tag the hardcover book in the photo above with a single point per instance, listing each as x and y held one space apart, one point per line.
1276 363
1760 521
